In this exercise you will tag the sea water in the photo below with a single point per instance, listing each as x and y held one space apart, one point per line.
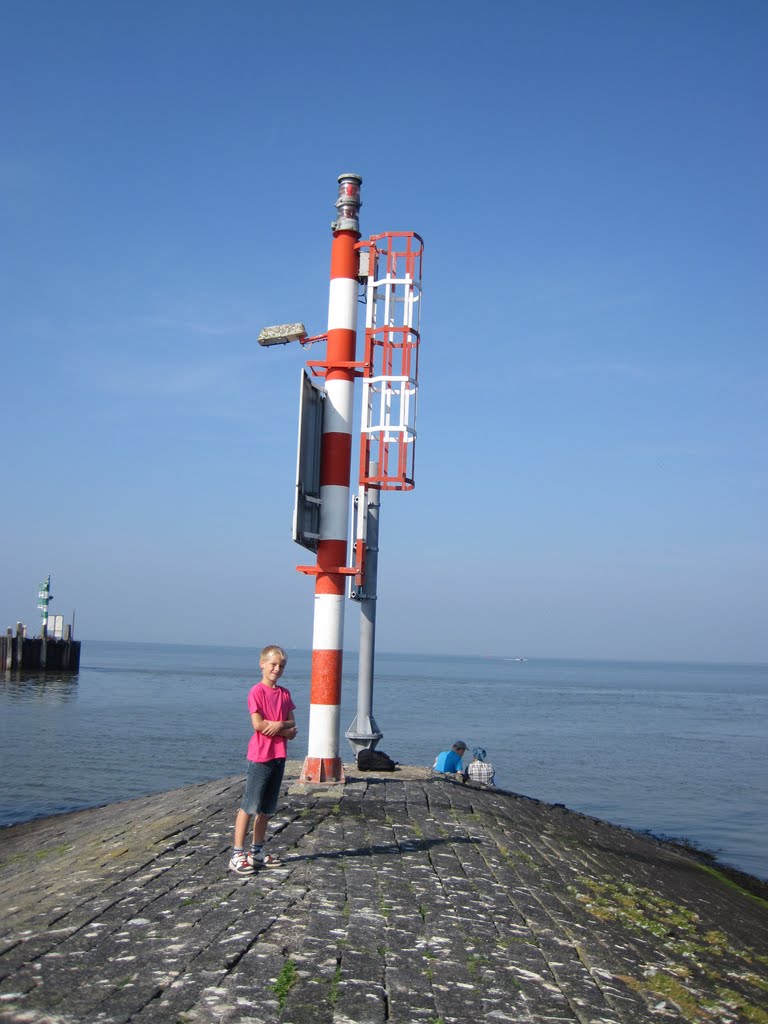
677 749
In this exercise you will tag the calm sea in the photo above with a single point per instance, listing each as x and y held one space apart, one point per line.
676 749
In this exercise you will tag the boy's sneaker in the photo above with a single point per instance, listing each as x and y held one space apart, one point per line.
263 860
241 865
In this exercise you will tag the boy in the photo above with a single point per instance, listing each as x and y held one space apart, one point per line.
271 711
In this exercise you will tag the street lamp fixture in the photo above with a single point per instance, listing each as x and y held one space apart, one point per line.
281 334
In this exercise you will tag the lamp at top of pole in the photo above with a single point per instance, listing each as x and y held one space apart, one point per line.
348 204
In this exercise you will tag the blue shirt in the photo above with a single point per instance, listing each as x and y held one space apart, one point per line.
448 761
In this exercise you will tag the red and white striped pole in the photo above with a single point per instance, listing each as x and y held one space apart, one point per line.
323 763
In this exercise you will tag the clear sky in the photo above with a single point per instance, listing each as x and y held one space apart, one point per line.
590 181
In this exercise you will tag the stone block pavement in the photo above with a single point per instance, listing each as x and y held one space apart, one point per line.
402 898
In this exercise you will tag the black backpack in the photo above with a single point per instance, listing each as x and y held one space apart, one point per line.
375 761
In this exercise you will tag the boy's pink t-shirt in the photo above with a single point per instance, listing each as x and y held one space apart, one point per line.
274 704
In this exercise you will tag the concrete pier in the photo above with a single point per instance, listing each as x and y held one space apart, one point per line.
402 898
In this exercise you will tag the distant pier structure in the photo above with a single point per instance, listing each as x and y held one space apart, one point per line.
54 650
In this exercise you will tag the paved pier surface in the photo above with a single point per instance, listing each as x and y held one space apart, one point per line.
402 898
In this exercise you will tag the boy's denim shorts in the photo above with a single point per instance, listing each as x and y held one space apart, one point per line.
262 786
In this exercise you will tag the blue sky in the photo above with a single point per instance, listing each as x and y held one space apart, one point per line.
590 181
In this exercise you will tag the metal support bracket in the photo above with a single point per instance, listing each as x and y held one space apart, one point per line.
321 368
337 570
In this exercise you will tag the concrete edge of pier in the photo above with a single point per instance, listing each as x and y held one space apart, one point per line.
401 897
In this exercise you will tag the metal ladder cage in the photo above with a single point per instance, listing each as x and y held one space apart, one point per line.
391 361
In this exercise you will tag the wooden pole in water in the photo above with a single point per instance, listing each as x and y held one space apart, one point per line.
19 645
67 651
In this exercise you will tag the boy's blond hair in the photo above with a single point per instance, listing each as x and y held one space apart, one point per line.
272 649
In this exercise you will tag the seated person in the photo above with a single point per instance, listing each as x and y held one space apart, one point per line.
449 761
479 770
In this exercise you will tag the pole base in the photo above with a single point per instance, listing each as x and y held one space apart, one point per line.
362 740
322 769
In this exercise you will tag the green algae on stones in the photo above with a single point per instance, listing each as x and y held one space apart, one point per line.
286 979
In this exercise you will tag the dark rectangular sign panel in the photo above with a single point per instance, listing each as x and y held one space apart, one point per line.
306 509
